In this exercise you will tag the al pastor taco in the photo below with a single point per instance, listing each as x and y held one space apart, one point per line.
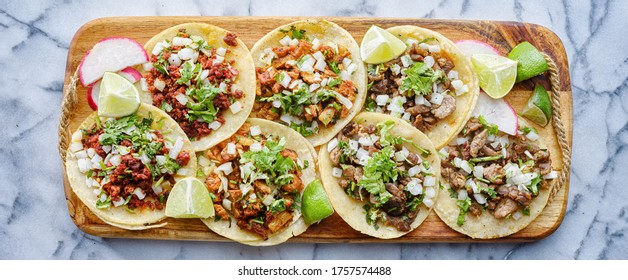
203 77
431 85
310 77
495 184
381 175
259 176
123 169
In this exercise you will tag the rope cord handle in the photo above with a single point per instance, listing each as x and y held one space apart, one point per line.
70 99
67 107
559 127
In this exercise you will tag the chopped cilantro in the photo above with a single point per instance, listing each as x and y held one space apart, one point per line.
278 205
420 78
370 104
464 208
333 65
491 128
534 185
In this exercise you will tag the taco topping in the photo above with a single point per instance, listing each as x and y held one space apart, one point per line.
374 167
192 82
128 163
419 86
492 173
306 83
257 181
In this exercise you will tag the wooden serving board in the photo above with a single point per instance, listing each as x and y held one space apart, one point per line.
502 35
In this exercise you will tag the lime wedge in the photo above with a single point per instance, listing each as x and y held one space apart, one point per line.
315 205
379 46
117 97
496 73
530 62
538 109
189 198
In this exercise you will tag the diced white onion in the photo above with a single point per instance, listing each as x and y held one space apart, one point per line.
147 66
118 201
219 59
452 75
368 140
479 198
159 84
139 193
462 90
437 98
532 136
320 65
81 154
462 140
353 145
225 168
180 41
221 51
314 87
414 187
414 170
457 84
406 60
255 147
343 100
174 60
346 62
430 192
181 98
157 49
528 154
76 146
77 136
214 125
478 171
434 48
429 61
231 148
84 165
276 103
202 161
429 181
285 41
332 145
176 148
424 46
285 79
336 172
550 176
465 166
236 107
428 202
115 160
315 43
382 99
286 118
395 69
294 42
462 194
457 162
255 130
399 156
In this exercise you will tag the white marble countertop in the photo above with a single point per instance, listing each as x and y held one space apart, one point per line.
35 36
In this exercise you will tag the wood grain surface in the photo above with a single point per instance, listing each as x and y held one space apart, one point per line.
502 35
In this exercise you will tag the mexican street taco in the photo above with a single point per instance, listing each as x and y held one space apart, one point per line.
203 77
431 85
381 175
257 181
124 168
495 184
310 77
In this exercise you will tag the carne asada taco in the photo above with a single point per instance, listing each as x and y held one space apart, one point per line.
495 184
123 169
431 85
381 175
310 77
203 77
259 176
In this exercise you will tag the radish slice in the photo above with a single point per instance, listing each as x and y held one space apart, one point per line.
131 74
92 95
110 54
471 47
497 111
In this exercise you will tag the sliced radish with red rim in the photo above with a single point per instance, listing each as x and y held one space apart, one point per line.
471 47
110 54
498 112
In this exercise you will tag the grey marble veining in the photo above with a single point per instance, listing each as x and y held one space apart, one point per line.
35 36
